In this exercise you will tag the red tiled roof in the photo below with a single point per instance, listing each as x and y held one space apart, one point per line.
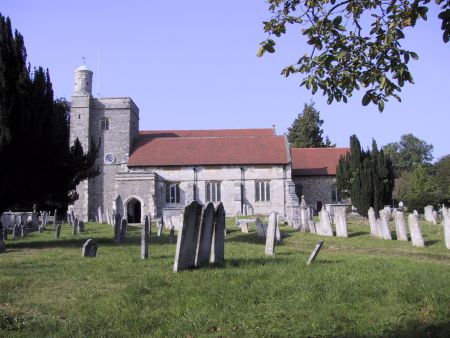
316 161
208 147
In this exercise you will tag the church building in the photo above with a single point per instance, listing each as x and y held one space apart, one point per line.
159 172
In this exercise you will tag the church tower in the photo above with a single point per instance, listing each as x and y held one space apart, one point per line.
114 122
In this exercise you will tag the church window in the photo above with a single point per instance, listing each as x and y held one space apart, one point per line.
262 191
172 193
335 195
213 192
104 124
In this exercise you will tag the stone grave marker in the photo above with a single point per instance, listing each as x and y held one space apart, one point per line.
41 229
277 231
375 228
244 227
159 227
446 224
260 228
144 239
315 252
270 235
89 248
81 226
23 231
415 231
429 215
5 233
14 231
218 241
188 237
100 215
123 230
117 223
58 231
384 223
400 227
312 226
149 224
324 228
341 221
54 218
205 236
75 226
171 234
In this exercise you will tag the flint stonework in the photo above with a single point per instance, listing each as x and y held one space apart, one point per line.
89 248
188 238
205 236
218 241
270 235
415 231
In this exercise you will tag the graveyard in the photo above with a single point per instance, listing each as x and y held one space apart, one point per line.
357 286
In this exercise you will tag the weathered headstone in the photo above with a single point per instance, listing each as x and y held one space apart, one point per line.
446 224
188 238
149 224
117 223
315 252
171 235
44 218
303 219
277 231
75 226
270 235
100 215
159 226
341 221
429 215
415 231
54 218
89 248
218 241
244 227
23 231
260 228
384 224
400 227
205 236
375 229
41 229
387 212
324 228
81 226
58 231
312 226
15 231
123 230
144 239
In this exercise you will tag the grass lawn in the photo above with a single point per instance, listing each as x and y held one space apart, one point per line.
358 287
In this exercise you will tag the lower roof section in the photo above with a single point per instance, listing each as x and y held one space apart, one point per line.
316 161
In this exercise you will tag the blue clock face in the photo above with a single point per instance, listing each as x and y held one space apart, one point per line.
110 159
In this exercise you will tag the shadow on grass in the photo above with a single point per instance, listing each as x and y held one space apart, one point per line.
238 262
357 234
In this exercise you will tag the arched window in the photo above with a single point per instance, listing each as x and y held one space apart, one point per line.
172 193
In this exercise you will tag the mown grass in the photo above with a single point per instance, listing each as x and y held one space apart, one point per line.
358 287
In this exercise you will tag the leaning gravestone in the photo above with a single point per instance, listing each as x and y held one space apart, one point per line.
384 224
58 231
324 228
428 213
144 239
415 231
89 248
341 222
270 234
206 234
260 228
188 238
400 227
315 252
218 241
375 228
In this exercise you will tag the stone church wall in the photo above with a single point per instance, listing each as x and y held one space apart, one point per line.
316 188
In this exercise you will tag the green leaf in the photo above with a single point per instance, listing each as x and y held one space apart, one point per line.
366 99
381 105
414 55
337 21
260 51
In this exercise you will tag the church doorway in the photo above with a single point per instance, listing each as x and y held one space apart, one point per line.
134 211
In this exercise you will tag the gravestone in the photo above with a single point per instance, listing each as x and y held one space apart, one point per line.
277 231
387 212
75 226
415 231
260 228
23 218
54 218
81 226
41 229
123 230
89 248
5 233
446 224
144 239
324 228
159 227
44 219
188 238
315 252
149 224
171 235
108 219
58 231
312 226
244 227
303 219
375 228
400 227
100 215
384 224
117 222
218 241
270 235
23 231
15 231
429 215
206 234
341 221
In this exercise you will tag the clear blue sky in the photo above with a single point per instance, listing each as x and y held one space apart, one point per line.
193 65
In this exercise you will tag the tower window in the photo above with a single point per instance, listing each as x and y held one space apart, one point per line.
104 124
